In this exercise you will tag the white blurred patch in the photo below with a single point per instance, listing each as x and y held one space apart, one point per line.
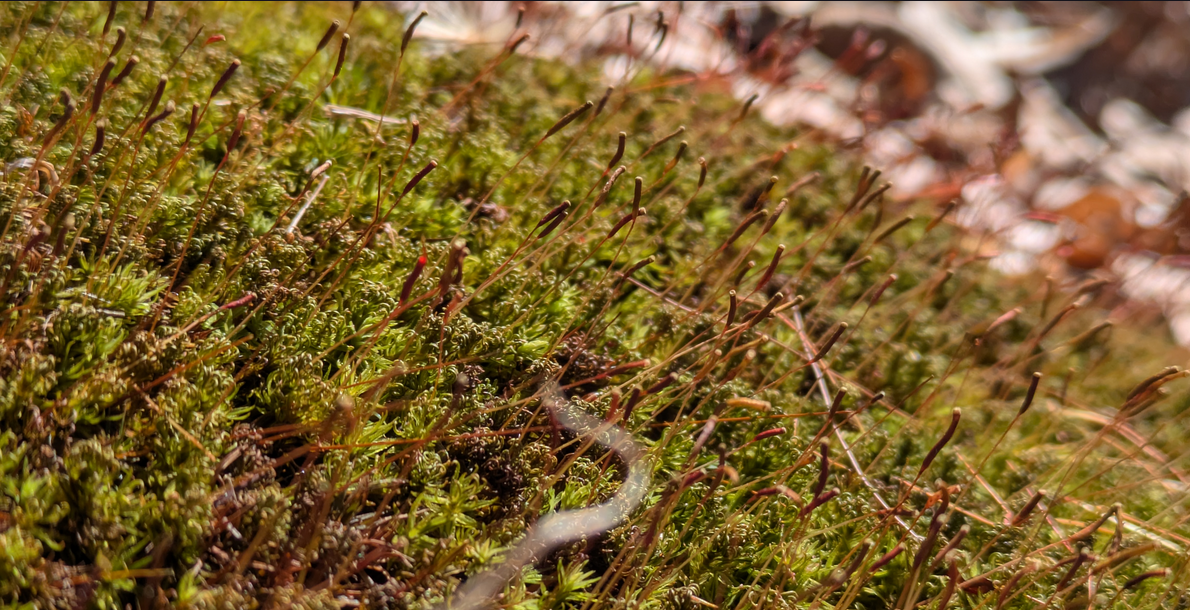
1033 236
989 203
1058 193
1013 263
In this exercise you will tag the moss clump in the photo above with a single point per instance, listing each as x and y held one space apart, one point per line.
270 353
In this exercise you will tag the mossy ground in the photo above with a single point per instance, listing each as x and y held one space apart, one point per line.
202 408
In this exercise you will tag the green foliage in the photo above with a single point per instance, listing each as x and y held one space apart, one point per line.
203 408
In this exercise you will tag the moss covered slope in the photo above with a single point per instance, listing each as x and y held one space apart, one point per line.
261 349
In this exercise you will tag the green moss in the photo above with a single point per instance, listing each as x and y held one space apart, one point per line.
324 441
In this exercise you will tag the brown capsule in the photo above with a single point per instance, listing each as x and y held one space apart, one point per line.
927 545
695 477
326 38
111 16
165 112
861 189
224 78
768 434
677 156
702 171
894 228
149 6
237 132
824 465
318 171
1082 557
66 227
1030 394
952 581
745 402
126 70
195 110
1122 556
157 93
765 311
355 6
743 226
101 85
803 181
240 302
121 36
1053 323
858 560
343 42
872 197
637 189
660 41
409 31
407 288
633 400
777 211
747 105
552 214
880 291
663 140
663 383
100 135
614 406
826 347
639 265
1027 509
1006 590
553 225
453 271
853 265
938 219
1083 340
1136 580
731 309
603 100
459 252
983 328
607 186
517 44
1090 530
755 198
568 119
836 404
978 585
619 151
772 268
952 545
414 132
418 177
767 491
629 217
886 558
743 272
1149 382
954 424
820 500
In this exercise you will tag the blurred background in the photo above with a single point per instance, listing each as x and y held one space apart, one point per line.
1062 129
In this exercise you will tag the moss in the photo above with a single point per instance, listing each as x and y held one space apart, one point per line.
203 408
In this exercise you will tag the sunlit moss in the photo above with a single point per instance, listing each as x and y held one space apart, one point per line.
202 407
